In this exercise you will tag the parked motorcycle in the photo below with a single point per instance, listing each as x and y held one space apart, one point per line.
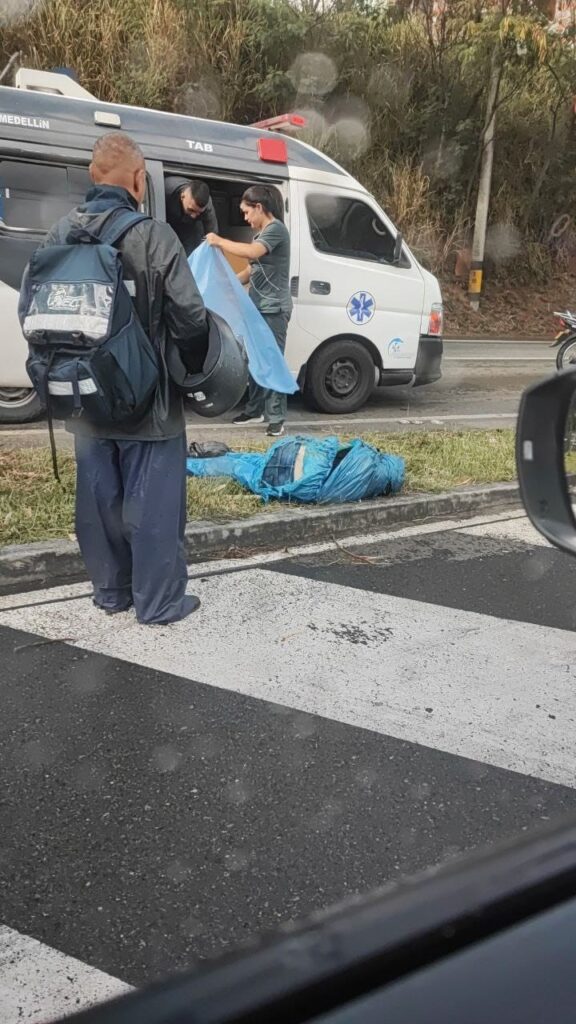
566 340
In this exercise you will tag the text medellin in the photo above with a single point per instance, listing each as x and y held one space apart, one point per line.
24 122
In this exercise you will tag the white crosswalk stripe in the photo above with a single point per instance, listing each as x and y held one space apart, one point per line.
495 690
39 984
470 684
517 529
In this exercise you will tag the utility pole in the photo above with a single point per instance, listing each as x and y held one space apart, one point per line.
476 279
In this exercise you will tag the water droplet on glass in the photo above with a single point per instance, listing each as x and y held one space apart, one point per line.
313 74
503 242
166 758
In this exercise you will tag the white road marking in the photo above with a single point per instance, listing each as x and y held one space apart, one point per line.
378 423
341 425
519 529
501 342
38 984
497 691
75 590
500 359
494 690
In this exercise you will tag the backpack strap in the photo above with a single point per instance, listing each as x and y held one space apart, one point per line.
117 223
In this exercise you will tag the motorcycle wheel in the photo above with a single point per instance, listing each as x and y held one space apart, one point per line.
566 354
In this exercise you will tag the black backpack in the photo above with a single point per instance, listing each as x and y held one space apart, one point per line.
89 355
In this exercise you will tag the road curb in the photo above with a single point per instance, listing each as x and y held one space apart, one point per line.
59 561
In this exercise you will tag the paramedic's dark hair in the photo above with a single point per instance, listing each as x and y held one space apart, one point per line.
269 199
200 193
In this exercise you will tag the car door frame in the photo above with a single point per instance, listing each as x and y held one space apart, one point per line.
317 329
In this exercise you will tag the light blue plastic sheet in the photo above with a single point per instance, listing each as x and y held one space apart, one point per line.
223 293
309 470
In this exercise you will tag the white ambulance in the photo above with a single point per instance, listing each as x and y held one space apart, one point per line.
366 314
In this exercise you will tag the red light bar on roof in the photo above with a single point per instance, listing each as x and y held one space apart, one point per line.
274 151
282 122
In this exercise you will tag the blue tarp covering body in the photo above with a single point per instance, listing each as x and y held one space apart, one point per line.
310 470
223 293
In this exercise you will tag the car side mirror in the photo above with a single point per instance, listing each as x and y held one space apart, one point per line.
397 257
546 457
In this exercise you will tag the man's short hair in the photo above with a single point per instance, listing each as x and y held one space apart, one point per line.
116 149
200 193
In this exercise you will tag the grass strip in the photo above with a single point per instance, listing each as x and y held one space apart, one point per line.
34 507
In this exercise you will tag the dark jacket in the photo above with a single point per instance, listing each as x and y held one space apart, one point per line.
164 294
191 231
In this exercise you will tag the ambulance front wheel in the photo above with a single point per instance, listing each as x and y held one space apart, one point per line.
340 377
19 405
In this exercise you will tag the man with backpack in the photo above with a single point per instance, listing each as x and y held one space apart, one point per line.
102 300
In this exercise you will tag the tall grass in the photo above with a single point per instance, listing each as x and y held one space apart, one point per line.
417 95
129 51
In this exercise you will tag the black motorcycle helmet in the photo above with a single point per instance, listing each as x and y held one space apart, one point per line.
214 376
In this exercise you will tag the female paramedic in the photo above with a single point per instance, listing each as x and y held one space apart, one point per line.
269 277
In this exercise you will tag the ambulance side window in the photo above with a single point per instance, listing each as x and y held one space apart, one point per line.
346 226
36 195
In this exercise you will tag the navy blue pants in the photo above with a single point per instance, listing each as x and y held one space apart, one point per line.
130 522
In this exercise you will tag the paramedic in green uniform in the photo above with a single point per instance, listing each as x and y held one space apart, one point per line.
269 278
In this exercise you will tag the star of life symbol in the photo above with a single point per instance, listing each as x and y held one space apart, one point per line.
361 307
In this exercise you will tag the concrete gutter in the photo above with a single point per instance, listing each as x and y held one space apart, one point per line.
50 562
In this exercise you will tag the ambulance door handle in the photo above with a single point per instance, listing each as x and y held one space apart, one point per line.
320 287
294 285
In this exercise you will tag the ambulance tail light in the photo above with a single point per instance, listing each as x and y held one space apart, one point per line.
436 320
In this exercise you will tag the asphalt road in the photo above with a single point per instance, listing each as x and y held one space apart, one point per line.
480 387
328 722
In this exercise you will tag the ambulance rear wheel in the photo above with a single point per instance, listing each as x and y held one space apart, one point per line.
339 378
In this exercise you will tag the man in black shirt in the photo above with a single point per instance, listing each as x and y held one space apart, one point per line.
189 211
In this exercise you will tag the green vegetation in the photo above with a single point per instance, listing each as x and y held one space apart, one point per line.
398 95
34 507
